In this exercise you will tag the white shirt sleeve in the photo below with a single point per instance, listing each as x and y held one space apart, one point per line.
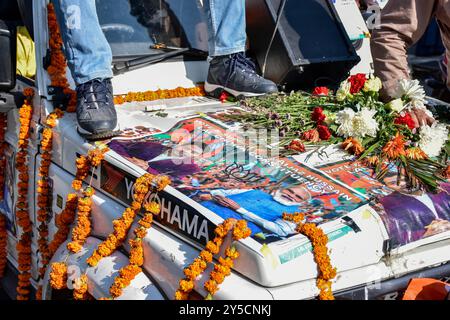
280 227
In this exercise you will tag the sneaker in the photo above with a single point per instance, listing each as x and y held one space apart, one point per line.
96 114
236 74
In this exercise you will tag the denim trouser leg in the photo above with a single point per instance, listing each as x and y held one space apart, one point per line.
226 26
87 50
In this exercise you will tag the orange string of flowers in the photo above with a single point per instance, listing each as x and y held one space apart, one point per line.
319 242
43 190
122 225
23 219
80 288
58 275
64 220
160 94
199 265
82 229
3 245
58 63
129 272
223 268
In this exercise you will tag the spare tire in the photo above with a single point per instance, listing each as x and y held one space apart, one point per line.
9 10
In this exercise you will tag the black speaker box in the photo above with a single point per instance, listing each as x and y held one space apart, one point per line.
310 47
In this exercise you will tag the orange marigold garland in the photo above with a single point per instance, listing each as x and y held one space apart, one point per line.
43 190
58 275
223 268
122 225
82 228
23 219
58 63
64 220
159 94
129 272
199 265
80 288
319 242
83 225
3 245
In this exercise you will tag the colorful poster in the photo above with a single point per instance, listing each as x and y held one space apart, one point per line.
408 216
235 177
359 177
7 204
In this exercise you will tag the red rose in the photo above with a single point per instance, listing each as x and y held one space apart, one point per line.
311 135
318 116
296 145
324 132
321 91
405 120
223 97
357 82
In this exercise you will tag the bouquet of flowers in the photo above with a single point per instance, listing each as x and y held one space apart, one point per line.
380 134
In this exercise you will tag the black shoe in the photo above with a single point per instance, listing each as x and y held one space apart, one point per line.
96 114
236 74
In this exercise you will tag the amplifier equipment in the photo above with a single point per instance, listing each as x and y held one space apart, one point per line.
309 47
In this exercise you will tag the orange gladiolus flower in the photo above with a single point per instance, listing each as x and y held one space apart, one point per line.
353 146
395 148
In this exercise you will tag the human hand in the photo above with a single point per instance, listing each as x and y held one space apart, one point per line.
228 203
421 117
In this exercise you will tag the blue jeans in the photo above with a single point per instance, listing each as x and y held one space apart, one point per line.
226 26
89 55
87 51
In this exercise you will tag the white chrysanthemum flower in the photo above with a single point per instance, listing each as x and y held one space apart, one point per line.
373 84
433 138
410 90
344 91
364 123
345 119
396 105
357 125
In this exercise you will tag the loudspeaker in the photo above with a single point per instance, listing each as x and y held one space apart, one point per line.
310 47
7 56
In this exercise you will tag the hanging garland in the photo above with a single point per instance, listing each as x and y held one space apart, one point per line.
23 219
82 229
44 191
58 63
122 225
159 94
80 288
129 272
199 265
223 268
3 245
319 242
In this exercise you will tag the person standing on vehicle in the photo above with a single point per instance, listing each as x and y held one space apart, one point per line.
89 58
403 22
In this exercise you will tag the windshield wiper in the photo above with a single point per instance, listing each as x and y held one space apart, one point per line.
147 60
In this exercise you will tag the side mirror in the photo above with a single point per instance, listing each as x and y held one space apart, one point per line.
8 43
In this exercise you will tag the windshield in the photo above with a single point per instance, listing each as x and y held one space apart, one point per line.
134 27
